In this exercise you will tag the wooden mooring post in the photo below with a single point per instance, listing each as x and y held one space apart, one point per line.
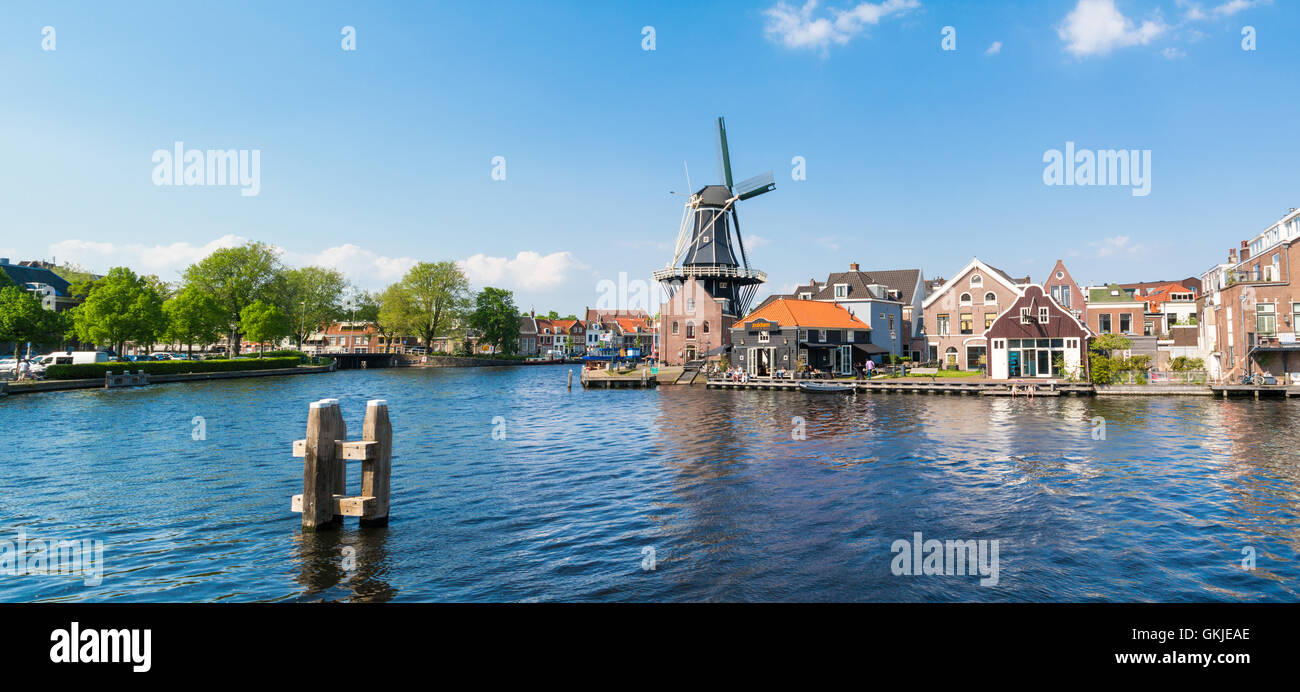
326 450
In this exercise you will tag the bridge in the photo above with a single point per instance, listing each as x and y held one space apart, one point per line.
355 361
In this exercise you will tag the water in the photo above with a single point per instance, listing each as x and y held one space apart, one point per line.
585 481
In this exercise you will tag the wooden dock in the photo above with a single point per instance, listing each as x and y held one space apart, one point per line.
929 386
641 379
1256 391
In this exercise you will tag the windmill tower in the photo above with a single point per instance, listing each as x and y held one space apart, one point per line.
709 257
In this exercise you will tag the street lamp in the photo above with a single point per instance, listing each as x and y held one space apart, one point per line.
302 330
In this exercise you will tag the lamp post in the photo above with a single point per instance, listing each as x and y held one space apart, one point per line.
302 330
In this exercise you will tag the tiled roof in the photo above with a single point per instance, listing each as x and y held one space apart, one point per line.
806 313
1103 295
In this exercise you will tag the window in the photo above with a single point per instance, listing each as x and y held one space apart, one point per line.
976 280
1060 275
705 327
891 323
966 323
1295 315
1043 315
950 358
988 320
1103 324
848 334
690 305
1125 323
1024 316
805 296
841 290
1265 319
990 298
764 337
690 330
941 325
965 299
674 327
821 335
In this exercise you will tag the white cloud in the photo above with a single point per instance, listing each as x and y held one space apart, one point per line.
755 241
994 48
1116 244
528 270
1096 27
1232 7
167 261
364 267
799 28
1172 53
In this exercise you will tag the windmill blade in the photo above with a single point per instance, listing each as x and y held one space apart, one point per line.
724 156
755 186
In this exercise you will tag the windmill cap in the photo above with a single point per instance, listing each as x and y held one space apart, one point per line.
714 195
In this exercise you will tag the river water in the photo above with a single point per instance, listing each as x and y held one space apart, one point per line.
676 494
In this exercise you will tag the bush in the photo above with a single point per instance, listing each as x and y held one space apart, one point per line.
165 367
283 353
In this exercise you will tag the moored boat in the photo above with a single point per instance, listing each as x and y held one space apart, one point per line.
825 387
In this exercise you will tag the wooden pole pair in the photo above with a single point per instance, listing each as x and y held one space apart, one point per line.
326 450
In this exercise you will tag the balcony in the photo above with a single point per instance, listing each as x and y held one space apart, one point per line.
1267 275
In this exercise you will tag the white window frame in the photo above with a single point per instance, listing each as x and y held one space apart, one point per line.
1043 315
1025 317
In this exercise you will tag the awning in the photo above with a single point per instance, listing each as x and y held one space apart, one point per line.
718 351
870 348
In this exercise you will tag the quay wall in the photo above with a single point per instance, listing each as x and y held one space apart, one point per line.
98 383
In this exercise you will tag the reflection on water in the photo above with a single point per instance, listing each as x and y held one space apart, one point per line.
742 495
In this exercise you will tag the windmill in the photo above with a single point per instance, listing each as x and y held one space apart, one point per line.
709 247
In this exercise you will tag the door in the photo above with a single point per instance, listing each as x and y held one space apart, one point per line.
1044 363
1030 362
1013 364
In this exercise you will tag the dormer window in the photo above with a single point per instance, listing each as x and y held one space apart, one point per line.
841 290
805 296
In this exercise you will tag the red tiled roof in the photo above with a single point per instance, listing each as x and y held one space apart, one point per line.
806 313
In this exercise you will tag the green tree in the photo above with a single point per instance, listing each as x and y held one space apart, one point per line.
497 319
123 307
193 317
312 297
236 278
434 297
262 321
392 318
5 281
23 320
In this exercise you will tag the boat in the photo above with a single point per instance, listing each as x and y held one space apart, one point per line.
825 387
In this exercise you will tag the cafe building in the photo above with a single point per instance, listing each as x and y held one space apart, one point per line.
795 336
1036 337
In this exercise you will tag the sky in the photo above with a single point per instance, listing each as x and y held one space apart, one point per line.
923 127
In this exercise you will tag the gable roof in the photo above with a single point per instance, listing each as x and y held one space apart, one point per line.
1036 297
987 270
905 281
814 314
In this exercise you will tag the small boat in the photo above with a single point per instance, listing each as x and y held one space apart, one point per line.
825 387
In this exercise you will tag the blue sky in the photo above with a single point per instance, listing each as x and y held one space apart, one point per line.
915 156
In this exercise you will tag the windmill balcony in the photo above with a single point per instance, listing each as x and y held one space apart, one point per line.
709 271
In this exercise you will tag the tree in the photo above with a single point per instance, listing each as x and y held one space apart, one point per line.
236 278
434 297
5 281
23 320
313 296
193 317
496 318
394 312
123 307
262 321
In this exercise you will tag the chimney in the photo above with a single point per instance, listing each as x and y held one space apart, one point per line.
853 267
1245 251
1232 255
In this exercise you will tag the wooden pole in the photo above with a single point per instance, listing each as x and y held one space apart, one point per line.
318 467
377 471
570 378
339 476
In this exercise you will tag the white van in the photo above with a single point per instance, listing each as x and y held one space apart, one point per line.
72 358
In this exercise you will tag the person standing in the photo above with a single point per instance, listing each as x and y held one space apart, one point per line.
871 365
24 367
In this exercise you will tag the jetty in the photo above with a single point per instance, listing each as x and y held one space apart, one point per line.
928 386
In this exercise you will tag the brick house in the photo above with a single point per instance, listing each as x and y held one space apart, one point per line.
959 312
790 334
1250 311
691 324
1063 289
1115 310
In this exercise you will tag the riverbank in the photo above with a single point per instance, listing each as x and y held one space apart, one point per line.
98 383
